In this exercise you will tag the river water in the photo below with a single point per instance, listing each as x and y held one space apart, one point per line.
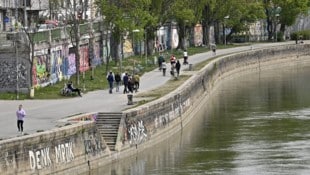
256 123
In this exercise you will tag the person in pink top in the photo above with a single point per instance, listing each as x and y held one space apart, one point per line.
20 114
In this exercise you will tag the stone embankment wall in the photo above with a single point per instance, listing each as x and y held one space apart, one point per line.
79 147
13 62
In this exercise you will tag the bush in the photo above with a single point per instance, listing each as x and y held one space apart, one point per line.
280 36
305 35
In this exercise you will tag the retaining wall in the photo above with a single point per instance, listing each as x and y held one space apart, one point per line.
79 147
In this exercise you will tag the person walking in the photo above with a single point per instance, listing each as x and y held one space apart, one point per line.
213 48
136 80
164 67
125 82
185 56
160 61
20 114
178 67
117 81
110 79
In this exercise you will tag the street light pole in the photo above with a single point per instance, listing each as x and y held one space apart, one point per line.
122 53
145 50
277 16
16 49
226 17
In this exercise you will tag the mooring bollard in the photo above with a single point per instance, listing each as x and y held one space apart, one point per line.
130 101
190 66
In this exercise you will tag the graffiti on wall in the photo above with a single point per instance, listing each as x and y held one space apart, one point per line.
137 132
96 59
84 58
93 145
198 35
176 111
64 153
71 64
39 159
56 64
161 120
40 70
8 74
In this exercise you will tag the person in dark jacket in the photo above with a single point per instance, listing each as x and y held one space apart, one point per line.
110 79
118 80
178 67
70 86
125 82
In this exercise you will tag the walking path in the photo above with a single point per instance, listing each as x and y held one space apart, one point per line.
44 114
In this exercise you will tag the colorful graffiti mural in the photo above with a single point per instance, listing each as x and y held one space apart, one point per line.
84 58
96 60
40 70
198 36
59 63
56 64
71 64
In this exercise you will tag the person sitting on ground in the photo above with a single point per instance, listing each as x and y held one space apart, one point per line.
70 86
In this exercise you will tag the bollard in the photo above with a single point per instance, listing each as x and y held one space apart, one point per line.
130 101
32 92
190 66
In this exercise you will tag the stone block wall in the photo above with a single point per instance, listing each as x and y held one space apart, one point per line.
79 147
145 122
69 149
8 71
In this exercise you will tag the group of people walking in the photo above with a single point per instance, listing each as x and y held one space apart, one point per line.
174 62
131 82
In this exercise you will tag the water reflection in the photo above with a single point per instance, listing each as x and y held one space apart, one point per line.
254 124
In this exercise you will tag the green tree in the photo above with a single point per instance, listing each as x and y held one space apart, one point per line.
283 12
121 18
182 12
233 14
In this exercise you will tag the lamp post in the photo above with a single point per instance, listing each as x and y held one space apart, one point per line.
277 14
184 33
133 41
226 17
277 17
16 37
123 37
145 49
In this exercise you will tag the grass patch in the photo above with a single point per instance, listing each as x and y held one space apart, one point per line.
170 86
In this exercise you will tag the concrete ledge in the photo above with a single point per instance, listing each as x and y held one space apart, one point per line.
80 147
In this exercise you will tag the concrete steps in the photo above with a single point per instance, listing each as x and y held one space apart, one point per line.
108 124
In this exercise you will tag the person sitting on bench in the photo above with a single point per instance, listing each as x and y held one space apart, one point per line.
70 86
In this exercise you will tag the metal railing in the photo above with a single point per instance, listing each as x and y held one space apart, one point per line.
56 33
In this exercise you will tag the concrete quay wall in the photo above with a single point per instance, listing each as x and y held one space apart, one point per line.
79 147
156 121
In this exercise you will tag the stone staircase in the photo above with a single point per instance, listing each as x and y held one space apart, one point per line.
108 124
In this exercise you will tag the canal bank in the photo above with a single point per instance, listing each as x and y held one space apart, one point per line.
78 147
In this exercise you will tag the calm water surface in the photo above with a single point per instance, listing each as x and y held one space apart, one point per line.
254 124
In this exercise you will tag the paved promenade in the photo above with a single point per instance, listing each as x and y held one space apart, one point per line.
44 114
